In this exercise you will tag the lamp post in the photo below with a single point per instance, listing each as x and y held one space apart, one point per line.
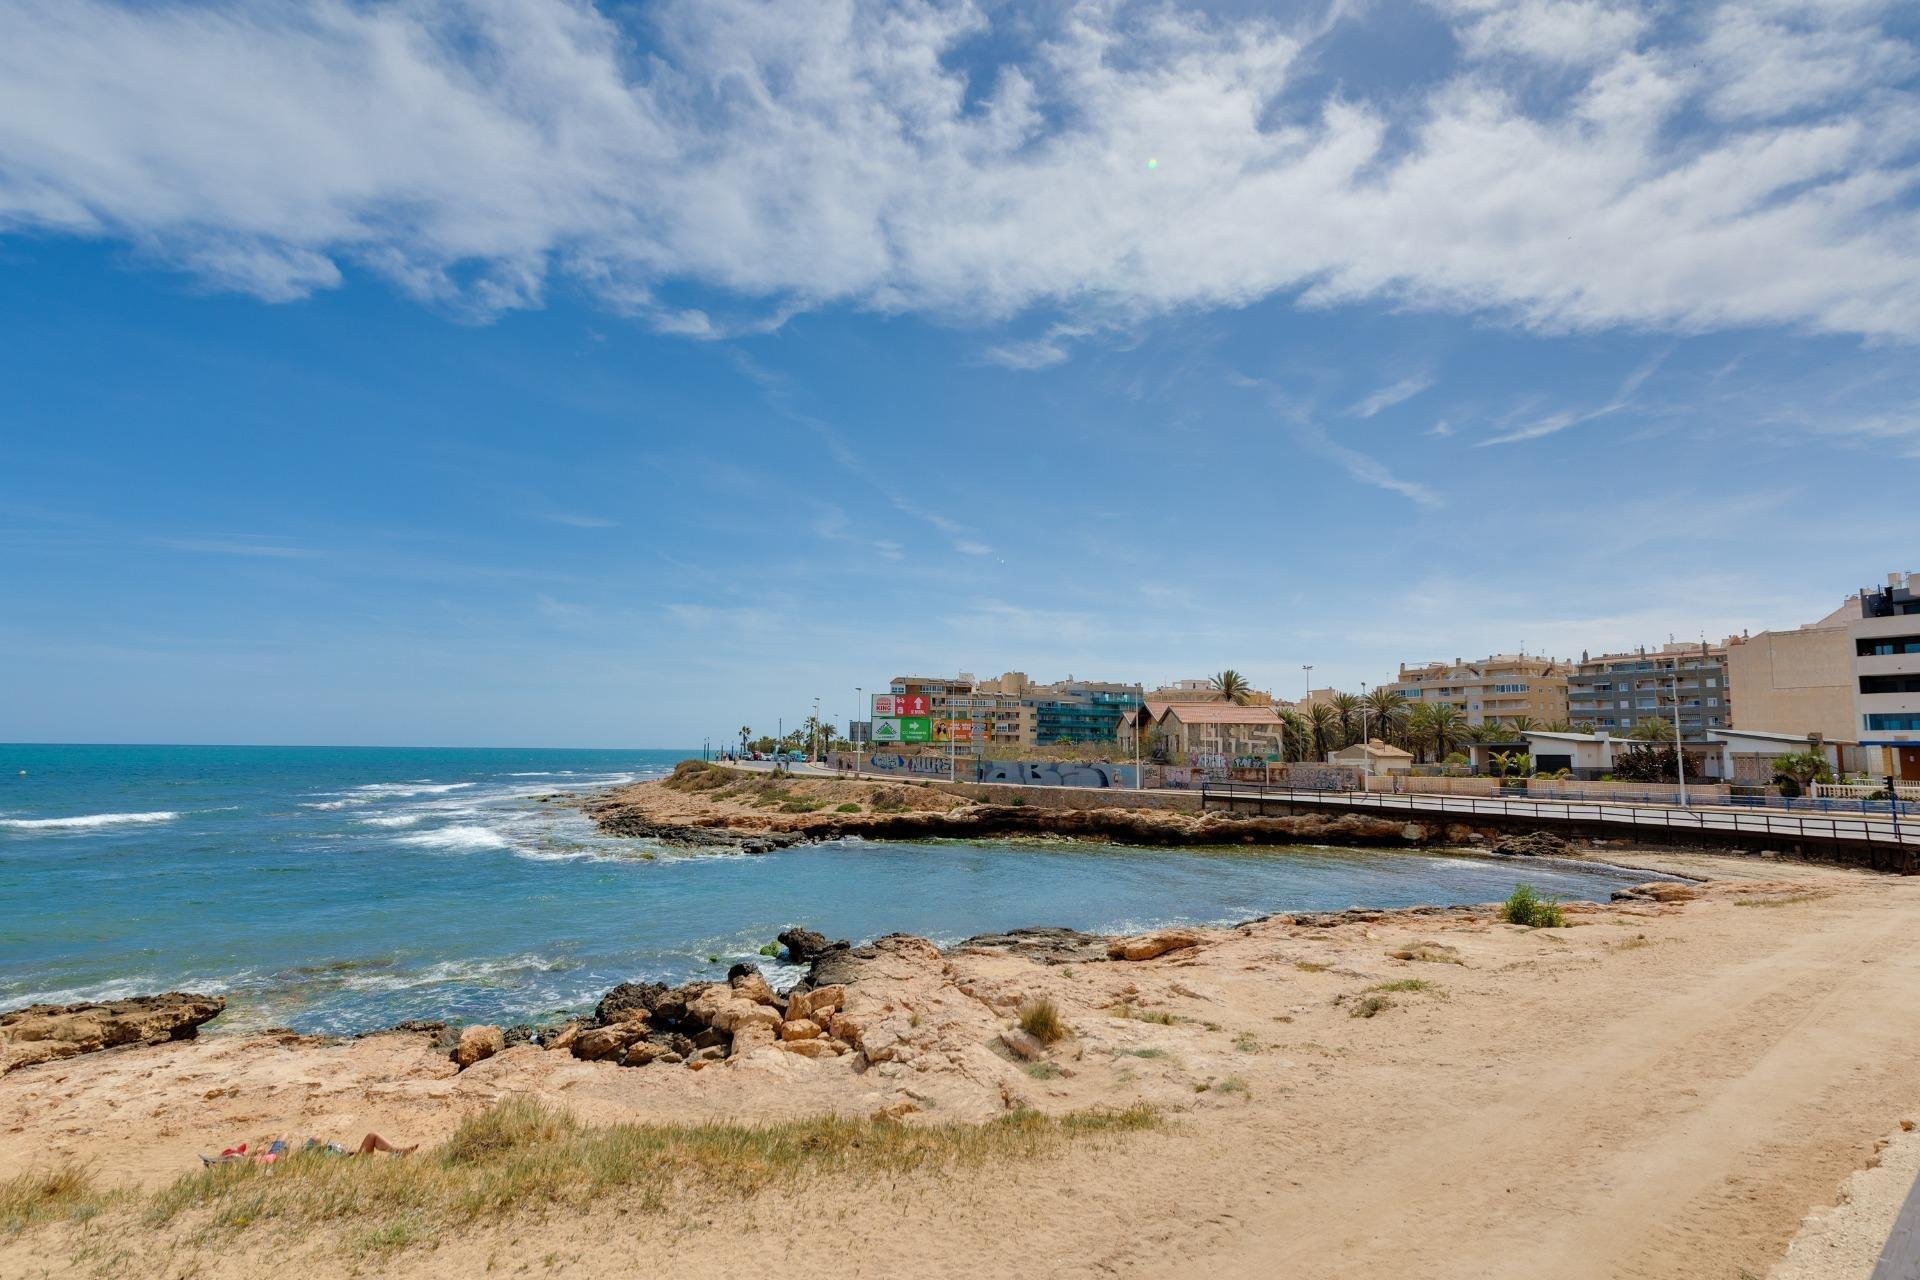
860 708
1679 752
1366 743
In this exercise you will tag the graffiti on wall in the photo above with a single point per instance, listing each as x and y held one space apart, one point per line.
1056 773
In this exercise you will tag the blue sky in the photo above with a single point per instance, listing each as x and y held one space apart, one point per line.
535 373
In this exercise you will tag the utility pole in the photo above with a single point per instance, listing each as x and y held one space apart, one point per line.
813 743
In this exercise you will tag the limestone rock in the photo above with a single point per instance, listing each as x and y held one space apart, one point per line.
1023 1044
608 1042
1153 944
813 1048
1432 952
564 1038
844 1026
750 1037
816 1003
1658 891
477 1044
45 1032
800 1029
752 986
723 1008
642 1052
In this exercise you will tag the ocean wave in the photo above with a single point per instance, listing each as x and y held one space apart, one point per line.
392 820
115 989
87 820
458 838
402 789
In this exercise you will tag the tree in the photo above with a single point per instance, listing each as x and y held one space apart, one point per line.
1387 708
1347 707
746 732
1803 767
1447 725
1295 736
1232 686
1652 729
1522 724
1649 761
1323 721
1417 734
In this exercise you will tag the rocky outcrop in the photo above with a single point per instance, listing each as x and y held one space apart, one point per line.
1658 891
477 1044
46 1032
804 946
1534 844
1152 945
1048 944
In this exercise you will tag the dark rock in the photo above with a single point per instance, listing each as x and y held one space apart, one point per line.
804 945
520 1033
628 998
709 1037
1534 844
1049 944
745 968
839 963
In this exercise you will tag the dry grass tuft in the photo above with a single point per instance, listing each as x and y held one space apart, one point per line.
1041 1020
1410 984
63 1193
1311 966
1369 1006
523 1157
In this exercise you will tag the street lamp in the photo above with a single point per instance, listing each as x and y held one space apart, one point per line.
1679 752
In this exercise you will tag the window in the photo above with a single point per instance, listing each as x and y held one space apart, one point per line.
1713 702
1886 646
1897 721
1890 684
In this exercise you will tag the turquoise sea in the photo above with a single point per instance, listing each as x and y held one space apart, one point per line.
342 889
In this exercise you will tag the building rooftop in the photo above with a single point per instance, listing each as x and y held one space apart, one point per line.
1220 713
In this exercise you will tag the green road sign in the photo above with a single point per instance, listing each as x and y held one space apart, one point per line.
916 728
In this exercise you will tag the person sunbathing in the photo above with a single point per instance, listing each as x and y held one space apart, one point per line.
278 1147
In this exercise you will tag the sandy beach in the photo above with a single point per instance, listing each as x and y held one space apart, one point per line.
1658 1089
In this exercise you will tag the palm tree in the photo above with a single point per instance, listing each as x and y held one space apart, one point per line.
1522 724
1295 735
746 732
1388 709
1447 726
1323 720
1653 729
1232 686
1417 734
1346 706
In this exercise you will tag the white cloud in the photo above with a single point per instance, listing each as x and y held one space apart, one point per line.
1386 397
780 155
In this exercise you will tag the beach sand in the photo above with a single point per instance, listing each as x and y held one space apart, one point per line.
1655 1091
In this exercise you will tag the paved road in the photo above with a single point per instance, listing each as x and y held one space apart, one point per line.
1861 828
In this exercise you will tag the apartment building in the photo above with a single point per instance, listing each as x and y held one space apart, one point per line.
1886 675
1191 730
1497 689
1613 692
1202 690
1797 682
1013 710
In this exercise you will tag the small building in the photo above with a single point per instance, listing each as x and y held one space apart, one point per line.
1195 729
1746 755
1375 758
1589 755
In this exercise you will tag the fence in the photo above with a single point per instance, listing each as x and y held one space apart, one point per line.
1858 791
1871 833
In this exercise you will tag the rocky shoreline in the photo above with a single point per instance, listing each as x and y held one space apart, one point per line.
703 806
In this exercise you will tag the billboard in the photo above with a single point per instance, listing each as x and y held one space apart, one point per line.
957 730
914 729
886 729
900 704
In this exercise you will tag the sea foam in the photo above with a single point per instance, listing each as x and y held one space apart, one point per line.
457 838
87 820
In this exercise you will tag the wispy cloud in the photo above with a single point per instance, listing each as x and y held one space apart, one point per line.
578 520
1386 397
246 545
1554 423
1359 466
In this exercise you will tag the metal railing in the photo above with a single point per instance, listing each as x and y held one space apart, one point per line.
1869 830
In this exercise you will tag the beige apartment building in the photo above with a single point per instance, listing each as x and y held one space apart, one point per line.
1192 691
988 719
1496 689
1797 682
1613 692
1196 729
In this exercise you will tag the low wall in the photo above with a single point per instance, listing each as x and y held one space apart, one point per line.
1077 797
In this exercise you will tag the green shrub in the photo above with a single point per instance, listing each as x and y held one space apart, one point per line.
848 807
770 949
1525 906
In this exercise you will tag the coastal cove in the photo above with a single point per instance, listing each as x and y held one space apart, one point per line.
342 890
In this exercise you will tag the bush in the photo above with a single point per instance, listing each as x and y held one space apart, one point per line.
1524 906
770 949
1041 1020
848 807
